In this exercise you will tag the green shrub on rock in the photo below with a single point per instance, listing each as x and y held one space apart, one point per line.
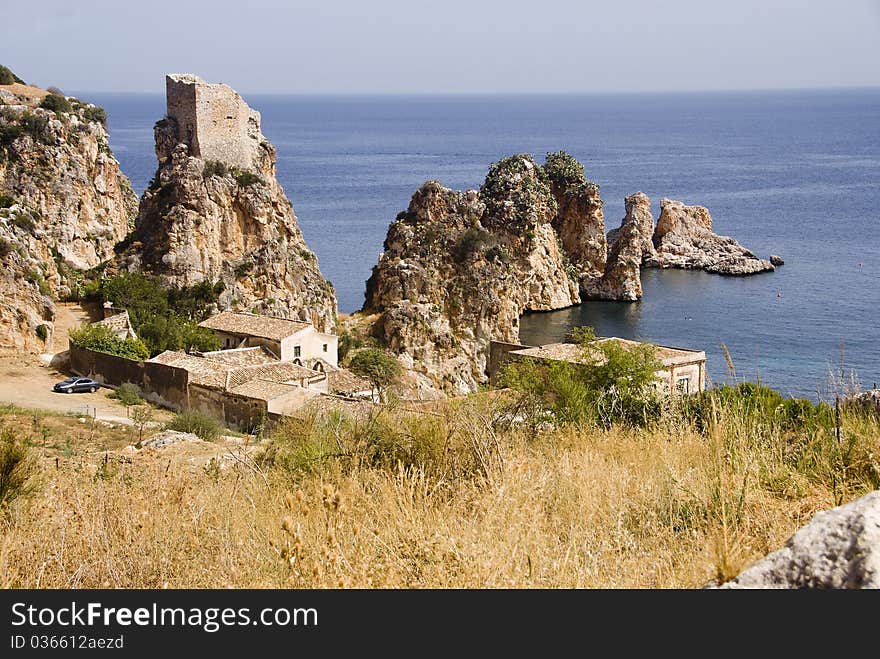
7 77
56 103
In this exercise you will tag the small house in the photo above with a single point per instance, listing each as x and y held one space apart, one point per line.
683 369
284 338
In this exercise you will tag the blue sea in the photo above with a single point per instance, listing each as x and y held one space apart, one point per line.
790 173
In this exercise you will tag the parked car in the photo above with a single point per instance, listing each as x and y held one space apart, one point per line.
71 385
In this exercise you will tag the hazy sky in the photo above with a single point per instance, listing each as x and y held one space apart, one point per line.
381 46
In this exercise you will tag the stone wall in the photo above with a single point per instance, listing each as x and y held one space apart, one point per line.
236 411
498 356
213 120
164 385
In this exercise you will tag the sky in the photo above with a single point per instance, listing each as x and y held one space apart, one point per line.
448 46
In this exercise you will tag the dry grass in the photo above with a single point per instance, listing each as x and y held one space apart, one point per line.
583 508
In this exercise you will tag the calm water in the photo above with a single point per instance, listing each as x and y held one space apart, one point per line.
795 174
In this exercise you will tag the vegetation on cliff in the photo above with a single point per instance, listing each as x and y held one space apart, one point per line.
64 203
165 318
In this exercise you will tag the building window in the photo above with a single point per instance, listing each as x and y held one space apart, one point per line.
324 347
296 351
683 384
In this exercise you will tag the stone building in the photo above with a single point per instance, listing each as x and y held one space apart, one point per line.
683 369
213 120
285 339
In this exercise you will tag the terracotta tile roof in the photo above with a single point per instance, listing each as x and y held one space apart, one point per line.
343 381
201 371
249 324
264 389
274 372
571 352
241 356
117 323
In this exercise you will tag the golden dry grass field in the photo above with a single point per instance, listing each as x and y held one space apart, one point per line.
448 500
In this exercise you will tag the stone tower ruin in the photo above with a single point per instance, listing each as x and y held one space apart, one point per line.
213 120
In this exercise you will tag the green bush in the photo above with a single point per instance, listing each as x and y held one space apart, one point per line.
516 193
757 403
6 247
37 126
24 221
469 242
18 470
56 103
164 318
10 132
245 178
498 254
563 170
101 338
128 394
377 366
35 277
244 268
610 384
42 332
196 422
215 168
347 343
6 201
7 77
95 113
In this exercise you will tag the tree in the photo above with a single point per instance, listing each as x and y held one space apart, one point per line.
610 382
379 367
141 415
101 338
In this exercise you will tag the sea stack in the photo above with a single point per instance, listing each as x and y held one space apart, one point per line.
684 239
215 212
459 268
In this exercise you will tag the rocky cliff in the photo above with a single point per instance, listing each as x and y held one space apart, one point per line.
684 239
459 268
579 220
64 204
225 220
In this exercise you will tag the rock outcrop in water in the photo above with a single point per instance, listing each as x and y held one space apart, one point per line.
629 245
64 204
459 268
215 211
839 548
684 239
579 220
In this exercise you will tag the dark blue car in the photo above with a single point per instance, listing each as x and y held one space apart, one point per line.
70 385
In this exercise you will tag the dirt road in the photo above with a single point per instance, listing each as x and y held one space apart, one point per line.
27 382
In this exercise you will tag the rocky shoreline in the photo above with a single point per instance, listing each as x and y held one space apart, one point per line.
458 269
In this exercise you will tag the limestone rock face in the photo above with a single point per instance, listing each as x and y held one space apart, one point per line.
216 221
459 268
638 214
65 204
684 239
839 548
629 247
